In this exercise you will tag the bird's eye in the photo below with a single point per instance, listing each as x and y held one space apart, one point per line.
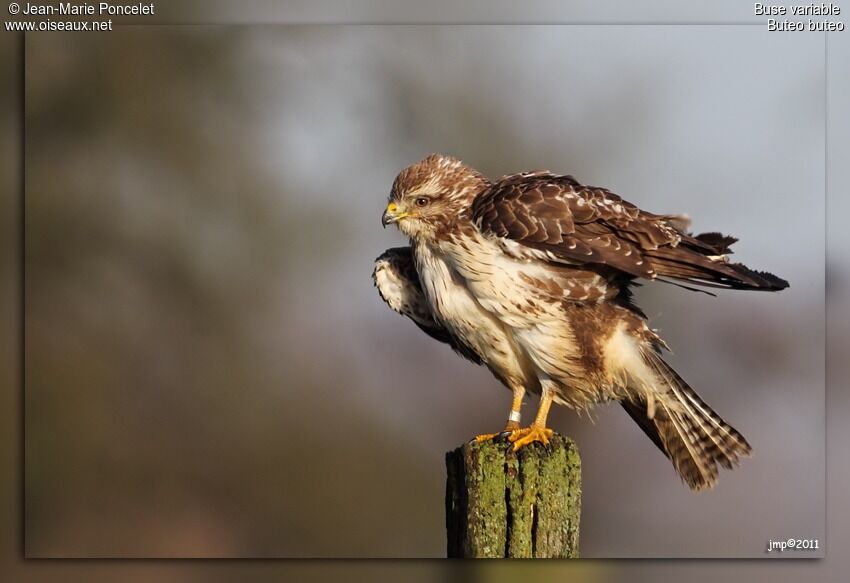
422 201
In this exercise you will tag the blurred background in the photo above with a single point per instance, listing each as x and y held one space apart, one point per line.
209 371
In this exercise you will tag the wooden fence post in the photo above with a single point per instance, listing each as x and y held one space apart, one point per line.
501 503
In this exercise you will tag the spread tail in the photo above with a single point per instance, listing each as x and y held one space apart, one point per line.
686 429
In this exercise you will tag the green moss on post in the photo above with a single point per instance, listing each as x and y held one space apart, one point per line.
501 503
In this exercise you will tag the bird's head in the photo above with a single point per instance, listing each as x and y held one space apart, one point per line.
431 195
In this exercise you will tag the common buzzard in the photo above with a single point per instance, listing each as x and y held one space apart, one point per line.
530 275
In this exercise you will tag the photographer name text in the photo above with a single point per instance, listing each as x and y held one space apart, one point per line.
99 9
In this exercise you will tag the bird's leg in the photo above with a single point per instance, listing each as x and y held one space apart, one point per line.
538 430
513 417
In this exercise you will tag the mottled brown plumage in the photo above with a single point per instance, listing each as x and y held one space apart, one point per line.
530 275
588 225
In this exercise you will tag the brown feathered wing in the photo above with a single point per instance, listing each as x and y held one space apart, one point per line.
558 219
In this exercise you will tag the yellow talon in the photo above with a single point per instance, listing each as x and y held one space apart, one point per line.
523 437
509 428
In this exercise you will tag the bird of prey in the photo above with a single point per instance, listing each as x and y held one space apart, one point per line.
530 276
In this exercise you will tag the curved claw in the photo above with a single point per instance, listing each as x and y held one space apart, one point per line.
528 435
506 432
485 437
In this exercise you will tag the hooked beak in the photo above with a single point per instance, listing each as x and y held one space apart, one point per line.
391 215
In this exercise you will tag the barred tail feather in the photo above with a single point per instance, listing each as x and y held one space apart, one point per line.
687 430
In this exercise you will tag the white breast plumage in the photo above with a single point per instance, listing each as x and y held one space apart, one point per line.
461 312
